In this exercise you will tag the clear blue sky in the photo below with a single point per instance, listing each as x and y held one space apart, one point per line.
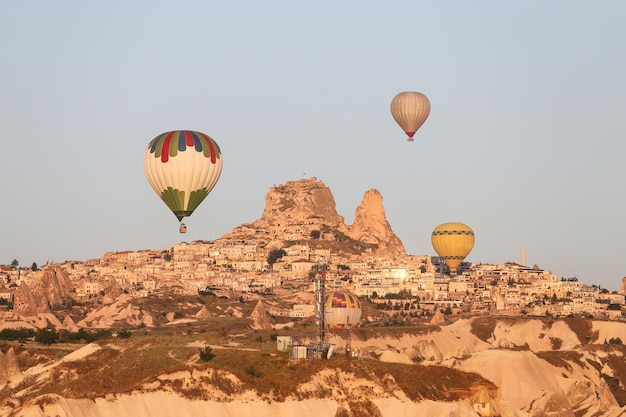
524 143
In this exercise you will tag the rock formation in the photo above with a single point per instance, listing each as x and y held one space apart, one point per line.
259 317
297 208
203 313
9 367
371 225
52 289
306 200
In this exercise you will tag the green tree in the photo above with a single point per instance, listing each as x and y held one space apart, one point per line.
34 266
315 234
15 264
274 256
21 333
47 336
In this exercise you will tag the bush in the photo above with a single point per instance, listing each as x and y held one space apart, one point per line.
556 343
253 372
47 336
206 354
21 333
124 334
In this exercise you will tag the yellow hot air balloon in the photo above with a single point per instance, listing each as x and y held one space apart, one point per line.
182 166
453 242
410 110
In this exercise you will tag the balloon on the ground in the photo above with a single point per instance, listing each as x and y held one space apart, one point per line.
182 166
410 110
453 242
341 309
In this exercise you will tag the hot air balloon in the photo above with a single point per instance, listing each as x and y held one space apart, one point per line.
410 110
453 242
342 310
182 166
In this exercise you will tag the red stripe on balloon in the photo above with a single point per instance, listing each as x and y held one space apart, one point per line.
165 152
410 134
188 138
211 148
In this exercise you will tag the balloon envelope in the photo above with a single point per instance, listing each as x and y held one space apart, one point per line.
410 110
182 166
453 242
341 309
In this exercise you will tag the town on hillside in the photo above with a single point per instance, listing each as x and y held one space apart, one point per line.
415 285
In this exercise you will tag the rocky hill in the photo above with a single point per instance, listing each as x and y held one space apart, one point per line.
478 367
295 209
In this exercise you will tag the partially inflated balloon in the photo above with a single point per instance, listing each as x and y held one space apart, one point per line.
453 242
410 110
182 167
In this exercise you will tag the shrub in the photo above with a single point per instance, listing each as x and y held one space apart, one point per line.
47 336
21 333
556 343
483 327
206 354
124 334
253 372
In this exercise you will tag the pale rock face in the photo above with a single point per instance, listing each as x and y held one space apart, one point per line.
26 304
371 225
297 201
261 321
53 287
69 324
295 209
203 313
9 367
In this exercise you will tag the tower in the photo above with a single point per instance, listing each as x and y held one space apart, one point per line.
523 255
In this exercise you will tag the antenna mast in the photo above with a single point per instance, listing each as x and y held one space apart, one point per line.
321 279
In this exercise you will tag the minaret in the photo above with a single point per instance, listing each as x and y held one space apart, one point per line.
523 255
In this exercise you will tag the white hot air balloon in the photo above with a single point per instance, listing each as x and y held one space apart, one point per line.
410 110
182 166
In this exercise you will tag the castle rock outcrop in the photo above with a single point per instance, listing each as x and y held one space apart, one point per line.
297 208
304 201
